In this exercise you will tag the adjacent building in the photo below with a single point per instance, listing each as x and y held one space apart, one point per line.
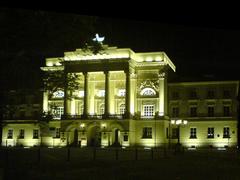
124 99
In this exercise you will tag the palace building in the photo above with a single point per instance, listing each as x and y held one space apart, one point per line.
124 99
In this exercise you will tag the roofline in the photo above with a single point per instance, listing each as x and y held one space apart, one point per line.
204 83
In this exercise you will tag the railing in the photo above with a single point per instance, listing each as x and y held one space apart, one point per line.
95 117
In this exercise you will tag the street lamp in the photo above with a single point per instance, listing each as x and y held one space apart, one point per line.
179 122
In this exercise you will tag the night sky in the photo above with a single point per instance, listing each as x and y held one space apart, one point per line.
201 49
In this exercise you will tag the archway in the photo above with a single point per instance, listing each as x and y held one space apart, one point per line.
94 137
75 138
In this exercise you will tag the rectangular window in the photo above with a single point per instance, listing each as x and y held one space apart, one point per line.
125 137
175 112
21 134
35 134
193 111
193 94
226 111
175 133
226 132
210 94
210 132
226 94
10 134
175 95
210 111
57 135
148 110
147 132
59 112
193 133
121 92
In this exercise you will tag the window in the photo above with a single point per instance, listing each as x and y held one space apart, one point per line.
210 111
122 109
57 135
58 94
35 134
10 134
193 94
148 110
101 109
147 132
210 132
210 94
147 92
81 93
193 133
175 95
125 137
59 112
193 111
175 133
175 112
226 133
21 134
226 111
101 93
226 94
121 92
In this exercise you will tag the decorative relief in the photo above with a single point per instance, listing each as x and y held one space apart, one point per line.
149 84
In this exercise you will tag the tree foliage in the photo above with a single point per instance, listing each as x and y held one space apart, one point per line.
56 80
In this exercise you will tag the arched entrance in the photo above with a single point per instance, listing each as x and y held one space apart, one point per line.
94 137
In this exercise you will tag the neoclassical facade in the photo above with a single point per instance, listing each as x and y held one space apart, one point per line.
124 99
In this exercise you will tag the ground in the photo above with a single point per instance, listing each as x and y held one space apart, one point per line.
76 163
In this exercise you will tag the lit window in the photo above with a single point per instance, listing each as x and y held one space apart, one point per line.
121 92
147 132
193 133
101 93
122 109
210 132
147 92
79 93
148 110
226 133
58 94
58 112
35 134
21 134
10 134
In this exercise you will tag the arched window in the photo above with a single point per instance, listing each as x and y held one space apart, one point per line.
122 109
58 94
101 109
148 92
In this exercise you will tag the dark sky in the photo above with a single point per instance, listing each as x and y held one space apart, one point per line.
201 48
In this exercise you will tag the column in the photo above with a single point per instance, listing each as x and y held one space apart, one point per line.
106 103
45 101
127 95
65 103
161 95
85 106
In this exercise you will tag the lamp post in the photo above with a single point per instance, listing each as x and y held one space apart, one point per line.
179 122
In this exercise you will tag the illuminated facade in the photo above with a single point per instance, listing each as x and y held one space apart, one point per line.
124 99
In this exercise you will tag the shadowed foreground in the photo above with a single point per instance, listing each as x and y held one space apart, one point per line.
147 164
